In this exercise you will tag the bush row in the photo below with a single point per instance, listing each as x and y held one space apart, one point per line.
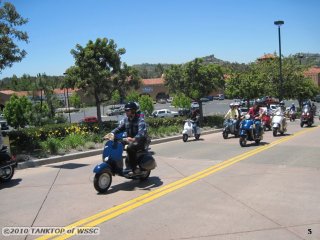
32 139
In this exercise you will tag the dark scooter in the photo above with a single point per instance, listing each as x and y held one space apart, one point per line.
113 162
7 165
306 116
248 131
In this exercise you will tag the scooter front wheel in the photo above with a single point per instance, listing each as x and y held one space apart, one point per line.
225 134
9 174
185 137
275 131
102 181
242 141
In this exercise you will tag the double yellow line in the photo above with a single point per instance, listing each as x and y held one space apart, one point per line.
113 212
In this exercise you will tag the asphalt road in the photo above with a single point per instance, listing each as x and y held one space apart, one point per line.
207 189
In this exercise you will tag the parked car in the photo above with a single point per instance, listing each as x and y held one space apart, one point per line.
164 113
184 112
4 125
90 119
162 101
195 105
243 111
210 98
115 110
221 97
204 99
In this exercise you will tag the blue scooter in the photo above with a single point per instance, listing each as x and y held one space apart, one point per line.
248 131
112 164
229 127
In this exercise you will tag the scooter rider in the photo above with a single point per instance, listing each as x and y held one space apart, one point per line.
195 116
233 112
293 107
255 114
136 130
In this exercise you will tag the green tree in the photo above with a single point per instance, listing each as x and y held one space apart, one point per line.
181 101
194 79
116 97
9 20
146 104
99 71
38 115
16 111
244 85
132 96
75 100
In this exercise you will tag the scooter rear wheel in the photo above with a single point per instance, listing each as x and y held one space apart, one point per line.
145 176
10 171
102 181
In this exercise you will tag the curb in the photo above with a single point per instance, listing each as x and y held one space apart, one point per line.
72 156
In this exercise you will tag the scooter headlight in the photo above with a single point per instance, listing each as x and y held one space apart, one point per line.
106 158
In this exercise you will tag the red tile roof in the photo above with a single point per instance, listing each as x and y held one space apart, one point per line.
267 56
153 81
313 70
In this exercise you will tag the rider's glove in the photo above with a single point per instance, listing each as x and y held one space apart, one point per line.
109 136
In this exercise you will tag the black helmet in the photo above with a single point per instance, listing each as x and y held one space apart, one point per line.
130 106
258 102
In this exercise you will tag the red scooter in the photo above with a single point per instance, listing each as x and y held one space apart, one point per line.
266 121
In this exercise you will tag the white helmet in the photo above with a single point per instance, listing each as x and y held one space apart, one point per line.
231 105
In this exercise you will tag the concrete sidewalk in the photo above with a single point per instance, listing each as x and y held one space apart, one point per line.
71 156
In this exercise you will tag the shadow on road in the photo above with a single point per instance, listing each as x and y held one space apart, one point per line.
70 166
132 185
11 183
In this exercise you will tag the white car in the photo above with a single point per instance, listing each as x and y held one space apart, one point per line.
164 113
194 105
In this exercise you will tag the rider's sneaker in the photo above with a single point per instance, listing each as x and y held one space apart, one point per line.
135 172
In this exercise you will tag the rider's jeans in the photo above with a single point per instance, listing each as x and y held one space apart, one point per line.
258 127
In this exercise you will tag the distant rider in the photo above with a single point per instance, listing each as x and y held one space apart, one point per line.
195 117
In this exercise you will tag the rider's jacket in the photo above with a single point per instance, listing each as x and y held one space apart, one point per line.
253 112
232 114
135 128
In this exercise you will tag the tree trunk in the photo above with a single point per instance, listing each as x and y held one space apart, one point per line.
98 104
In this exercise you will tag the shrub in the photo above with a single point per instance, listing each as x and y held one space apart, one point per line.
52 145
74 140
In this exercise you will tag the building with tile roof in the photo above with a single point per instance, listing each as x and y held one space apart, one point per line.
314 74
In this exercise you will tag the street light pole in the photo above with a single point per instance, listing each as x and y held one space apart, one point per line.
279 23
300 56
68 105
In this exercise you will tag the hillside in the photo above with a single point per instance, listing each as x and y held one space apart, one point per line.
148 70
